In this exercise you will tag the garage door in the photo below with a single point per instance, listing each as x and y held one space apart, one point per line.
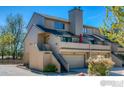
75 61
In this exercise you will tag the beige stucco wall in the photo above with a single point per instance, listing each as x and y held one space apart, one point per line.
36 19
53 42
76 21
49 58
40 59
90 30
29 40
33 56
96 31
49 23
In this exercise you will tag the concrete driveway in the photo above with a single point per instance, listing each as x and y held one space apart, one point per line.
17 70
114 72
14 70
117 72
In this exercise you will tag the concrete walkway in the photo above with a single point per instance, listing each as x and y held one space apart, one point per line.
15 70
117 72
114 72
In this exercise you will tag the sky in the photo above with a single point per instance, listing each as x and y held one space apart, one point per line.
92 15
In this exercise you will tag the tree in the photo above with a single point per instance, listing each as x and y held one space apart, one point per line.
113 27
6 38
15 25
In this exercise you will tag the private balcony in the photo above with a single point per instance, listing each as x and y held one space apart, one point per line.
81 46
73 43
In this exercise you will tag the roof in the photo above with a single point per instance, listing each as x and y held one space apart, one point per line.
52 31
49 17
53 17
90 27
62 19
55 32
57 18
96 36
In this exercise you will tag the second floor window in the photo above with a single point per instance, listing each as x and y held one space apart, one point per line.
59 25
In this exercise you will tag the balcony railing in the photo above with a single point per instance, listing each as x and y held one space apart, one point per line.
119 49
116 48
70 45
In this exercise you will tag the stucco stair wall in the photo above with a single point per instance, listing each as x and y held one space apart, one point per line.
39 59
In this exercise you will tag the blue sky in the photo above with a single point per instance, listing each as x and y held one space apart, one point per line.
92 15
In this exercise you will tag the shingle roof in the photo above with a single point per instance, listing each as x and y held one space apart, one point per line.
52 17
88 26
56 32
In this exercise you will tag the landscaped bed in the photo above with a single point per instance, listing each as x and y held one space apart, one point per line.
99 66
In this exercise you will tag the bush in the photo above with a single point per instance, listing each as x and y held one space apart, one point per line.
50 68
99 66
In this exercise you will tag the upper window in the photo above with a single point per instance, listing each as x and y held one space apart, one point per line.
84 31
59 25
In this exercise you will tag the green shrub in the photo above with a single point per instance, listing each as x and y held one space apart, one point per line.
50 68
99 66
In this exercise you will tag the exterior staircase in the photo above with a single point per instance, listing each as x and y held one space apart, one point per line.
62 61
59 57
42 47
117 60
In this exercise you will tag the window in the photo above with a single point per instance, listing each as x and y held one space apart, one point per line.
75 40
66 39
59 25
69 39
84 31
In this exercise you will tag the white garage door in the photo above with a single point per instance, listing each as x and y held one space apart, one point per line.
75 61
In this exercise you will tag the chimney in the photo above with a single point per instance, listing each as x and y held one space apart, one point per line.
76 20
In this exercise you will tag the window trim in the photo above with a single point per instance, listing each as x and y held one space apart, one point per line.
57 25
